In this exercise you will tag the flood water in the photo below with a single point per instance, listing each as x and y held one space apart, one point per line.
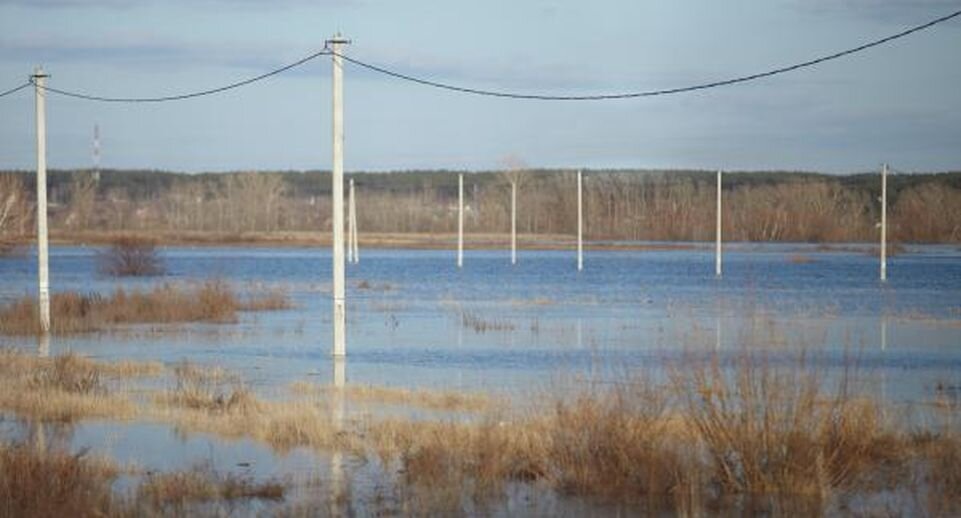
415 320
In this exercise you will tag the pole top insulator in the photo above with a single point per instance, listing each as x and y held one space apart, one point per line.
337 39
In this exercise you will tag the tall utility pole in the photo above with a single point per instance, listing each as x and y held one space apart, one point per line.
39 80
513 221
580 222
717 251
460 220
884 222
340 311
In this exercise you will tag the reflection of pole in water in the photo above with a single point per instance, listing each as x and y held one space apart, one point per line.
580 338
717 330
884 333
43 346
338 479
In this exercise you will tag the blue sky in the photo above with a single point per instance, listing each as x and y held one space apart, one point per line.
899 103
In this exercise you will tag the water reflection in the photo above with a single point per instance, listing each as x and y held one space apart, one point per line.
43 346
340 498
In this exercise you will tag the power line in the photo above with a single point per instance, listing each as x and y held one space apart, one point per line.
180 97
651 93
15 90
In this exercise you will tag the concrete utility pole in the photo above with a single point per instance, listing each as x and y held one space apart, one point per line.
39 79
884 222
460 220
717 261
513 222
340 311
580 222
353 247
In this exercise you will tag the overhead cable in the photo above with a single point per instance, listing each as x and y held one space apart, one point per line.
649 93
14 90
191 95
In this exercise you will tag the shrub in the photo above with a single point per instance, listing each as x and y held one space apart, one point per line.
131 256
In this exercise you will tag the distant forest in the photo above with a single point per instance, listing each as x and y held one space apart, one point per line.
673 205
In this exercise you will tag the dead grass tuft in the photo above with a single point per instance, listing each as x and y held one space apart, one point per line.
40 483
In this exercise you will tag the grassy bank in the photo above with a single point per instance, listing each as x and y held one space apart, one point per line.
73 312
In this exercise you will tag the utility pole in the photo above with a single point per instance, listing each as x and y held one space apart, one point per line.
884 222
717 252
39 79
350 222
513 221
580 222
340 311
352 214
96 152
460 220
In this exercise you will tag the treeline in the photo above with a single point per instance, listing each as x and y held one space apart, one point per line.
619 204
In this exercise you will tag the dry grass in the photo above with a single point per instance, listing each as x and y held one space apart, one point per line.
203 484
66 387
776 431
71 312
429 399
39 483
213 402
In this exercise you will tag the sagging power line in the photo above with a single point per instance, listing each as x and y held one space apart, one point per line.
505 94
191 95
653 93
15 90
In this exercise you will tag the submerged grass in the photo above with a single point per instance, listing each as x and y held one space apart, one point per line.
746 437
430 399
72 312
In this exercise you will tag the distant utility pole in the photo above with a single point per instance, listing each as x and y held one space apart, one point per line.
580 222
40 79
717 253
96 152
353 248
513 221
340 316
460 220
884 222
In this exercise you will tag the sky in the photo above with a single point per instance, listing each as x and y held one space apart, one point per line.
899 103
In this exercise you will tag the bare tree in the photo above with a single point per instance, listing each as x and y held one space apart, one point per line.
15 210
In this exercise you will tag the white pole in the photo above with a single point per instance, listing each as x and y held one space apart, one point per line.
337 188
39 79
353 219
580 222
717 253
350 222
884 222
460 220
513 222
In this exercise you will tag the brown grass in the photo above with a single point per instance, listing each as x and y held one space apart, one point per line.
66 387
430 399
40 483
203 484
71 312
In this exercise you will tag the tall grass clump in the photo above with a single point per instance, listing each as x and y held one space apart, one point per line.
775 434
35 482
